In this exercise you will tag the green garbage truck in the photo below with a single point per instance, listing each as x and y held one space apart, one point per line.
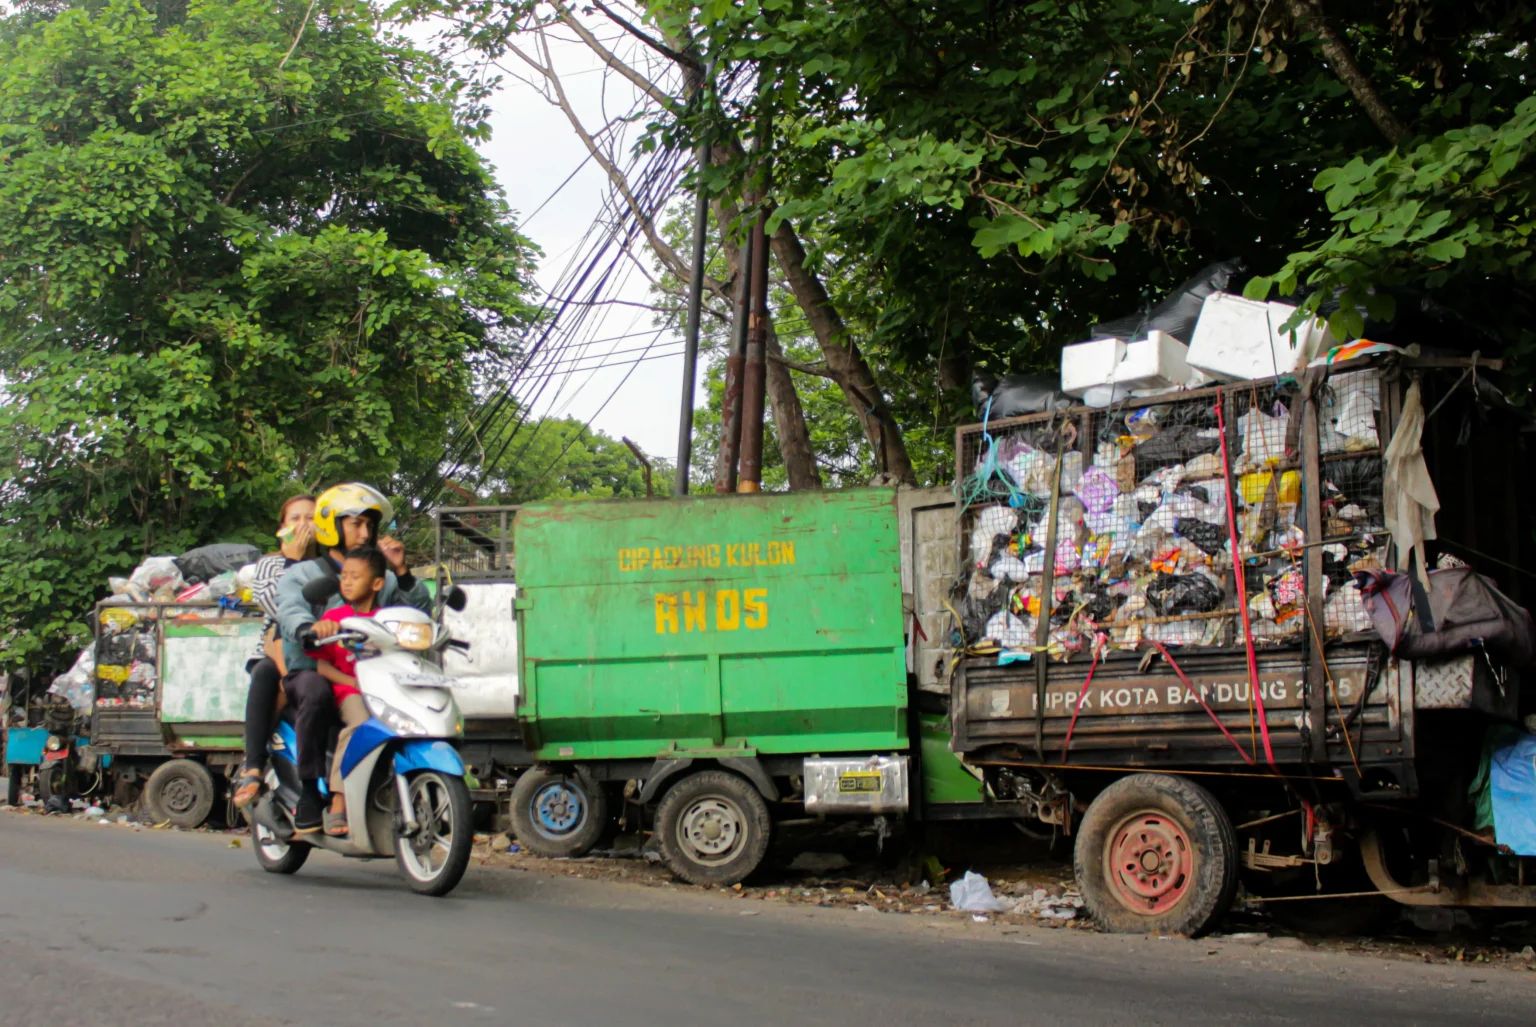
725 664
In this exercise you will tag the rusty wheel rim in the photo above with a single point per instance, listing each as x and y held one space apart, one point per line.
1149 862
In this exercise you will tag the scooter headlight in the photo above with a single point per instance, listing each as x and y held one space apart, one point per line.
398 722
414 637
54 743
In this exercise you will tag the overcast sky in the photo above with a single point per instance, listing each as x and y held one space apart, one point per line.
534 149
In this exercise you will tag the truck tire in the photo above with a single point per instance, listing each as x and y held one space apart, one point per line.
1156 854
180 792
714 828
557 814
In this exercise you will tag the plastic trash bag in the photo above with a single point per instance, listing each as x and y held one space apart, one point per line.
1209 537
1008 568
1007 630
1263 437
1097 490
973 894
1172 594
1179 310
207 562
223 584
78 684
157 572
1016 394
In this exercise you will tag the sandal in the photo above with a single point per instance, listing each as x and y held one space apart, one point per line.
252 784
336 824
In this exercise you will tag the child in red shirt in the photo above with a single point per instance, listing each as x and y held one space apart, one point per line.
362 577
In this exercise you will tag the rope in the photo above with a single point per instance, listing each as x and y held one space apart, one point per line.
1184 679
1242 584
1098 647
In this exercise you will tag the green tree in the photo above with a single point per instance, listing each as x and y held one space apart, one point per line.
563 458
245 247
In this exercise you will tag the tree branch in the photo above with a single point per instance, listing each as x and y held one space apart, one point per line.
655 44
819 370
611 59
1308 15
664 252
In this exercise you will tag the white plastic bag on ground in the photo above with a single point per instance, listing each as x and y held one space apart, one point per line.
973 894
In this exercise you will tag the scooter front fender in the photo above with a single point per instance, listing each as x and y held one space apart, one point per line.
423 755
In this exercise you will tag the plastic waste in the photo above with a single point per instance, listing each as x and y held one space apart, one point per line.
157 572
1179 310
1172 594
973 894
207 562
1007 630
1015 394
78 684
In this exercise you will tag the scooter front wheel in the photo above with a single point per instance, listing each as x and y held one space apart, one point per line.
434 858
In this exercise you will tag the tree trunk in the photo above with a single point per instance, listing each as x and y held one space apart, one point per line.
789 420
844 359
1308 15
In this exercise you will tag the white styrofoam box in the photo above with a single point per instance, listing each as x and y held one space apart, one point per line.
1238 339
1151 363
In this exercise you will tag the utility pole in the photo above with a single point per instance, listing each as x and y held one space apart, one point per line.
695 300
754 373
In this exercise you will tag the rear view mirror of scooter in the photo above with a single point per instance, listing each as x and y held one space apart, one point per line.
456 600
321 589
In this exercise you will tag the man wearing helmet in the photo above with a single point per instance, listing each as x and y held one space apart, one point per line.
347 517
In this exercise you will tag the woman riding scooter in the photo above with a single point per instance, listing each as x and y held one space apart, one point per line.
296 532
346 517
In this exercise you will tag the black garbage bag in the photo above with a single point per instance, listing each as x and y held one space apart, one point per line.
1178 444
1207 537
1183 593
1015 394
115 649
207 562
1178 311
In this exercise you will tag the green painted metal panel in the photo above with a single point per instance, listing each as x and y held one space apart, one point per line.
768 624
202 671
945 779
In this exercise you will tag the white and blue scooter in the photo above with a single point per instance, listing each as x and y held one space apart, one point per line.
402 777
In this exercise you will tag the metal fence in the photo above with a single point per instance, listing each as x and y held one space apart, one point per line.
1148 498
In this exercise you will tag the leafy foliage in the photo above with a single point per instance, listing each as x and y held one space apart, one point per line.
245 248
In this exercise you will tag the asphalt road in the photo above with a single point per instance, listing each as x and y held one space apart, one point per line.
107 925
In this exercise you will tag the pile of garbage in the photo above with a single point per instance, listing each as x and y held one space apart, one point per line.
119 669
1147 512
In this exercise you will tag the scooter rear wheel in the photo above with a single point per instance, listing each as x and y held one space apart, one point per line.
276 857
434 859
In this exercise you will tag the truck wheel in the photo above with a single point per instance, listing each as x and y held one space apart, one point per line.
54 780
555 814
1156 854
181 792
714 828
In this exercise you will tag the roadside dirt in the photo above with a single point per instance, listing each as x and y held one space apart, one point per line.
1033 889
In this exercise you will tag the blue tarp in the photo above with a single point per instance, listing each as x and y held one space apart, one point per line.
1513 777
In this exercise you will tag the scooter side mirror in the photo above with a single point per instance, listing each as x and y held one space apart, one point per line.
321 589
456 600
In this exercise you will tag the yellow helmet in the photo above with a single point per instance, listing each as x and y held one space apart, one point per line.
352 499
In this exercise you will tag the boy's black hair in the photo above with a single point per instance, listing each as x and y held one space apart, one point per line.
375 559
